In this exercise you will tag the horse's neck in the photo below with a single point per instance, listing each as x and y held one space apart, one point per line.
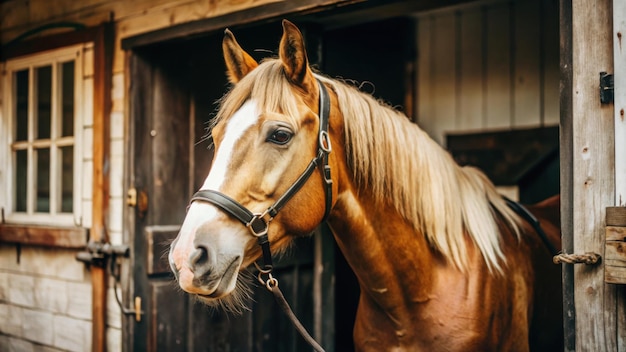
406 287
384 251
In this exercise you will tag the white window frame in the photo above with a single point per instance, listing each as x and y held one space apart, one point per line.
31 62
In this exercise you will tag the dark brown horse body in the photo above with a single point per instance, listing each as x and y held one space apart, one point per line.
442 263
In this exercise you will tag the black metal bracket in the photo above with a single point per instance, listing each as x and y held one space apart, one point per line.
607 88
97 253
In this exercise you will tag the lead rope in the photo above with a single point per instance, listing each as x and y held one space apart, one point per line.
272 285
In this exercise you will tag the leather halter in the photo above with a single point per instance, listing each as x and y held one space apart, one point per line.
258 223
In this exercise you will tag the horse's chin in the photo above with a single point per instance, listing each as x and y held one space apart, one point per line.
237 301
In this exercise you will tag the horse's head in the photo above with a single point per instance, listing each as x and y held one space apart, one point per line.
266 182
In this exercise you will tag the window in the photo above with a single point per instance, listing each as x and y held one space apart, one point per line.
42 120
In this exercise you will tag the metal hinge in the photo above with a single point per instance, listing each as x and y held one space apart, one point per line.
137 199
607 88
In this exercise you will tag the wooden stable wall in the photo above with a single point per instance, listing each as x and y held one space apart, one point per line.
488 66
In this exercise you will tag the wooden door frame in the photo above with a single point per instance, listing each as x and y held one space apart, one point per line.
588 175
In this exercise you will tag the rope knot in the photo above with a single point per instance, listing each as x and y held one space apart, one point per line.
588 258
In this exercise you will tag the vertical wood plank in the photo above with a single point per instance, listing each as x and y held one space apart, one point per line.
593 163
442 79
471 95
526 108
424 109
498 85
140 73
168 326
549 64
619 62
170 142
100 195
566 157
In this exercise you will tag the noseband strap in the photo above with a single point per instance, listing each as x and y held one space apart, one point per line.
259 223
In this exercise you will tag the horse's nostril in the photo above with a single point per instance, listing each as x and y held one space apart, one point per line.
199 257
200 261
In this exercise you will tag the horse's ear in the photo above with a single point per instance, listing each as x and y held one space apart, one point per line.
238 62
292 53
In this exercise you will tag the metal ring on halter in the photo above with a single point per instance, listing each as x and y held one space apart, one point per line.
253 221
261 270
271 281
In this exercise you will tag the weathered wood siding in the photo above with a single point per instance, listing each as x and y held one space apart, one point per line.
598 306
489 66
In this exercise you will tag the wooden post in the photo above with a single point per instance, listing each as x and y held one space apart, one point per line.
619 63
101 141
619 111
566 157
592 166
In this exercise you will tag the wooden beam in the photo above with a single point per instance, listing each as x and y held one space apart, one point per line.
72 237
593 163
49 42
101 149
247 16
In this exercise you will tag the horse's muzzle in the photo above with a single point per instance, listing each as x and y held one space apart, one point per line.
203 267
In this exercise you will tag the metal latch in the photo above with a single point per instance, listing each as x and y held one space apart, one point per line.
97 253
100 254
607 88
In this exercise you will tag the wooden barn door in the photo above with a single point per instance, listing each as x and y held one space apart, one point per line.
172 90
159 161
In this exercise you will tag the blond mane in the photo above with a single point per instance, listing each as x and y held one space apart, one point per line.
396 160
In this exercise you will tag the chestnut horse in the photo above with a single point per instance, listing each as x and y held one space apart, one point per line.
442 262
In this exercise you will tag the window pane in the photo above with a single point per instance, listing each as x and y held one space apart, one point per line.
43 180
44 101
67 99
20 180
67 179
21 105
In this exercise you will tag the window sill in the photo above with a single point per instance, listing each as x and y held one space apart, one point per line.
57 237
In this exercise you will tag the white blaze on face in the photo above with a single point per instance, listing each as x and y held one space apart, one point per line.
243 119
200 212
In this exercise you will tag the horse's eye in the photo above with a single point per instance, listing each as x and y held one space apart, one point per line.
280 137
